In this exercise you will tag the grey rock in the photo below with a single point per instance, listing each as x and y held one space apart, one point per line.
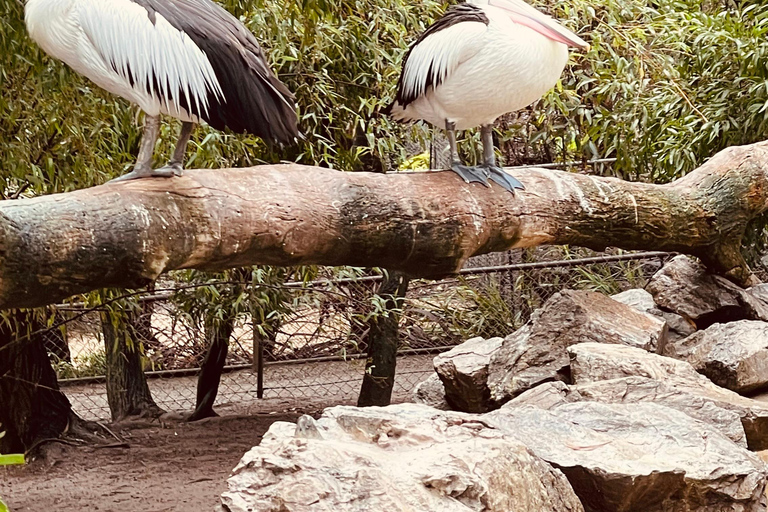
595 362
759 292
537 353
431 392
399 458
307 428
464 373
638 299
639 457
684 286
642 300
546 396
732 355
696 405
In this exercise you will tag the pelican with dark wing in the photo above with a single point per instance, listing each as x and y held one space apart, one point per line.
482 59
189 59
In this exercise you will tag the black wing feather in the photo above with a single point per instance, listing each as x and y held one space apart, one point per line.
255 100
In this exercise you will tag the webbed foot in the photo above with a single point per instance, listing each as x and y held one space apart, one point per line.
507 181
471 174
167 171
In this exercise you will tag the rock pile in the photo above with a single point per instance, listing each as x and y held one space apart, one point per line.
628 403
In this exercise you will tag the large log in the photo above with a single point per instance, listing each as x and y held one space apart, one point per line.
126 234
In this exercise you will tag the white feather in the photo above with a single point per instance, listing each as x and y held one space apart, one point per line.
442 52
104 39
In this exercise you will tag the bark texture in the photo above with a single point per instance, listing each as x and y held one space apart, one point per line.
379 376
125 234
32 407
218 334
127 390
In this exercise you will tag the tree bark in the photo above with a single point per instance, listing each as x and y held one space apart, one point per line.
217 334
32 407
125 234
127 390
379 376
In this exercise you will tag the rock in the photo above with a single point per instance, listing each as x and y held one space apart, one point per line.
594 362
536 353
684 286
732 355
399 458
639 457
641 300
464 373
641 389
638 299
431 392
760 292
546 396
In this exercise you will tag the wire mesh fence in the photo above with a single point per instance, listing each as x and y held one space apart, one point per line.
314 350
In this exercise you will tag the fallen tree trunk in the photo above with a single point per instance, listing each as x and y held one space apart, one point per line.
125 234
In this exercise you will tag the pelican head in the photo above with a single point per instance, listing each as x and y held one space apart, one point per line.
524 14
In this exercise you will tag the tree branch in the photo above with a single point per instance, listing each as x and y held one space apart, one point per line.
425 224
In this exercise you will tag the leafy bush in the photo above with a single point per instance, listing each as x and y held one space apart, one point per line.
666 84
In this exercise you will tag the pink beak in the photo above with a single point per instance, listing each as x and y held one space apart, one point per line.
524 14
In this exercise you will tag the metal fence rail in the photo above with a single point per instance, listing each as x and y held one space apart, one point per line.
316 355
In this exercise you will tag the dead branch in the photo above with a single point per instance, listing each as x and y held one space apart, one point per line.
425 224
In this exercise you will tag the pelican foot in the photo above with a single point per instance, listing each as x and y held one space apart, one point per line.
507 181
471 174
168 171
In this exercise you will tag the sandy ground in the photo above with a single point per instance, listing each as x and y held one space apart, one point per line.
184 466
180 467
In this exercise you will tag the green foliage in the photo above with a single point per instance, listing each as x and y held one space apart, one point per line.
213 298
91 364
666 84
3 506
8 460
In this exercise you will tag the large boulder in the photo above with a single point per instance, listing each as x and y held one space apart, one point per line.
464 373
630 390
537 353
639 457
684 286
397 458
680 386
732 355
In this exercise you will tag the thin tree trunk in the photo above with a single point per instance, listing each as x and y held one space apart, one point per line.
218 334
127 390
32 407
379 377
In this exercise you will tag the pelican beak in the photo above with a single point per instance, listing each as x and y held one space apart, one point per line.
524 14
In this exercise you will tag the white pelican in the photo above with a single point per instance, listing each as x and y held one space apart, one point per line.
189 59
482 59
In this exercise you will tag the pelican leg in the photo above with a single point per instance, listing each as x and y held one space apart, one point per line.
495 173
468 174
176 164
143 166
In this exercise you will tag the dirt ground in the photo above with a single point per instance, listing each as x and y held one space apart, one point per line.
172 467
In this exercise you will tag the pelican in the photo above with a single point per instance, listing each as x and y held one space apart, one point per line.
188 59
482 59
